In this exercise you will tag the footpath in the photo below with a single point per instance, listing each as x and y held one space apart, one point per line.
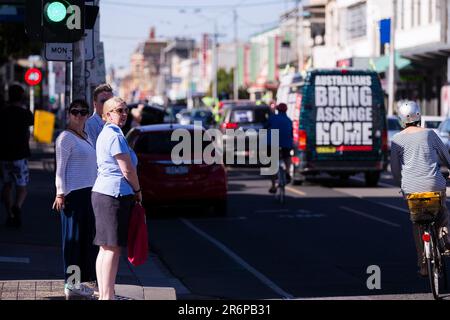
31 257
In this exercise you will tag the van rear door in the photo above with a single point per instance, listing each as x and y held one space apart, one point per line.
343 117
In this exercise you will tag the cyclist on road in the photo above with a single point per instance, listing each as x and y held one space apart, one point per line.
416 158
282 122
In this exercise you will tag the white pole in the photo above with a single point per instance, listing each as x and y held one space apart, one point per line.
32 99
236 57
391 84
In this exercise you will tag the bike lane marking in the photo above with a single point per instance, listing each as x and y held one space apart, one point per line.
369 216
298 192
266 281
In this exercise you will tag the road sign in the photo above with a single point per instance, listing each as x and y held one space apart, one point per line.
58 52
33 77
63 51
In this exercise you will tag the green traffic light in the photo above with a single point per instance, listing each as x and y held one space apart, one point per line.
56 11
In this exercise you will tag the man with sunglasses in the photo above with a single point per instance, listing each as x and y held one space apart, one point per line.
95 123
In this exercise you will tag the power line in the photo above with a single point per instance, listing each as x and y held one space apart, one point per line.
191 6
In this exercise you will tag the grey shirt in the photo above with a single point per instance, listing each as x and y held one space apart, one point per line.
416 159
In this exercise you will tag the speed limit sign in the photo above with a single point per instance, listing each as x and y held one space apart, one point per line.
33 77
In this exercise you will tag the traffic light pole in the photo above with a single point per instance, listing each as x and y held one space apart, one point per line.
79 71
67 97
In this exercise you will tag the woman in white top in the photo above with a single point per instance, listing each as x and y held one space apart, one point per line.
76 172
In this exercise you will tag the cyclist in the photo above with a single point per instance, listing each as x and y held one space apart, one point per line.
416 157
282 122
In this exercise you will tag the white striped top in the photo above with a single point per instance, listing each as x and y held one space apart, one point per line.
76 163
416 159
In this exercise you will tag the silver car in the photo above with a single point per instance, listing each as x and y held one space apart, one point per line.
394 127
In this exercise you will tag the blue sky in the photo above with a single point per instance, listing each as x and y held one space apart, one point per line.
125 23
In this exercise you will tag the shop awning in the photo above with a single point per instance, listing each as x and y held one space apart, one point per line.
382 63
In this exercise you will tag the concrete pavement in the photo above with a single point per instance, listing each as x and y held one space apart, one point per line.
31 257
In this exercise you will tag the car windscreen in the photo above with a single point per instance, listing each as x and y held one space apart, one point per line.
432 124
394 124
201 114
160 143
249 115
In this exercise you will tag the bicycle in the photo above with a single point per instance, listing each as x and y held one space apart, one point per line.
281 185
424 208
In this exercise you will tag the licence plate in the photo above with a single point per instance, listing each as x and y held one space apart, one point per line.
326 150
179 170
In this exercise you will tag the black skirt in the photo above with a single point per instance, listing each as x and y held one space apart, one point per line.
111 219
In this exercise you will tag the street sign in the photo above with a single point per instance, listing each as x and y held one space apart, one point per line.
63 51
58 52
33 77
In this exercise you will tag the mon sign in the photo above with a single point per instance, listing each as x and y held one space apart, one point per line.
63 51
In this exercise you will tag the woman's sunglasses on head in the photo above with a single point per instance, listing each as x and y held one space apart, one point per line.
83 112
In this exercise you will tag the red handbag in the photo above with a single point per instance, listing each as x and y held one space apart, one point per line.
137 236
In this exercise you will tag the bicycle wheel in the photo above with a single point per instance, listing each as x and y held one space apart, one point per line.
281 185
435 267
282 194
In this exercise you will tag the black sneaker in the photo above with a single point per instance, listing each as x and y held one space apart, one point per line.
17 219
272 190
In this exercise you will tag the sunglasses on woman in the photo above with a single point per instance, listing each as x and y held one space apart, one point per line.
82 112
121 110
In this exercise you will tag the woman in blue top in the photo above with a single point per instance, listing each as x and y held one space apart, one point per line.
115 191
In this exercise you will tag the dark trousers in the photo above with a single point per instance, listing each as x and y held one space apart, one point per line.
78 232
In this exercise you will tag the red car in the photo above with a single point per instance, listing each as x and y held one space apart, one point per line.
165 183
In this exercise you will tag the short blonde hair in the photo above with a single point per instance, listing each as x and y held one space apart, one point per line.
112 104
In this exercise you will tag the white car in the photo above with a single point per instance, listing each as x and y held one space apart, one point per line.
431 122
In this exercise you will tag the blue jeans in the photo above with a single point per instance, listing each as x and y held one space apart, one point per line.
78 232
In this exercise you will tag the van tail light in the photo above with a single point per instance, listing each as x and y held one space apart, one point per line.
302 137
230 125
384 141
426 237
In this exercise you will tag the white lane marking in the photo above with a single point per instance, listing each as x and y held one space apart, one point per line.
388 206
379 183
240 261
366 215
14 260
380 203
298 192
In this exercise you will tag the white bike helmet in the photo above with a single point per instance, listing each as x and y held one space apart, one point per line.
408 112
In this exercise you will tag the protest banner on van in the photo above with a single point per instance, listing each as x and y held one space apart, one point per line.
344 113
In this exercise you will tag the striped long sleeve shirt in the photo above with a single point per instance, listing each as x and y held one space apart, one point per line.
76 163
416 159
